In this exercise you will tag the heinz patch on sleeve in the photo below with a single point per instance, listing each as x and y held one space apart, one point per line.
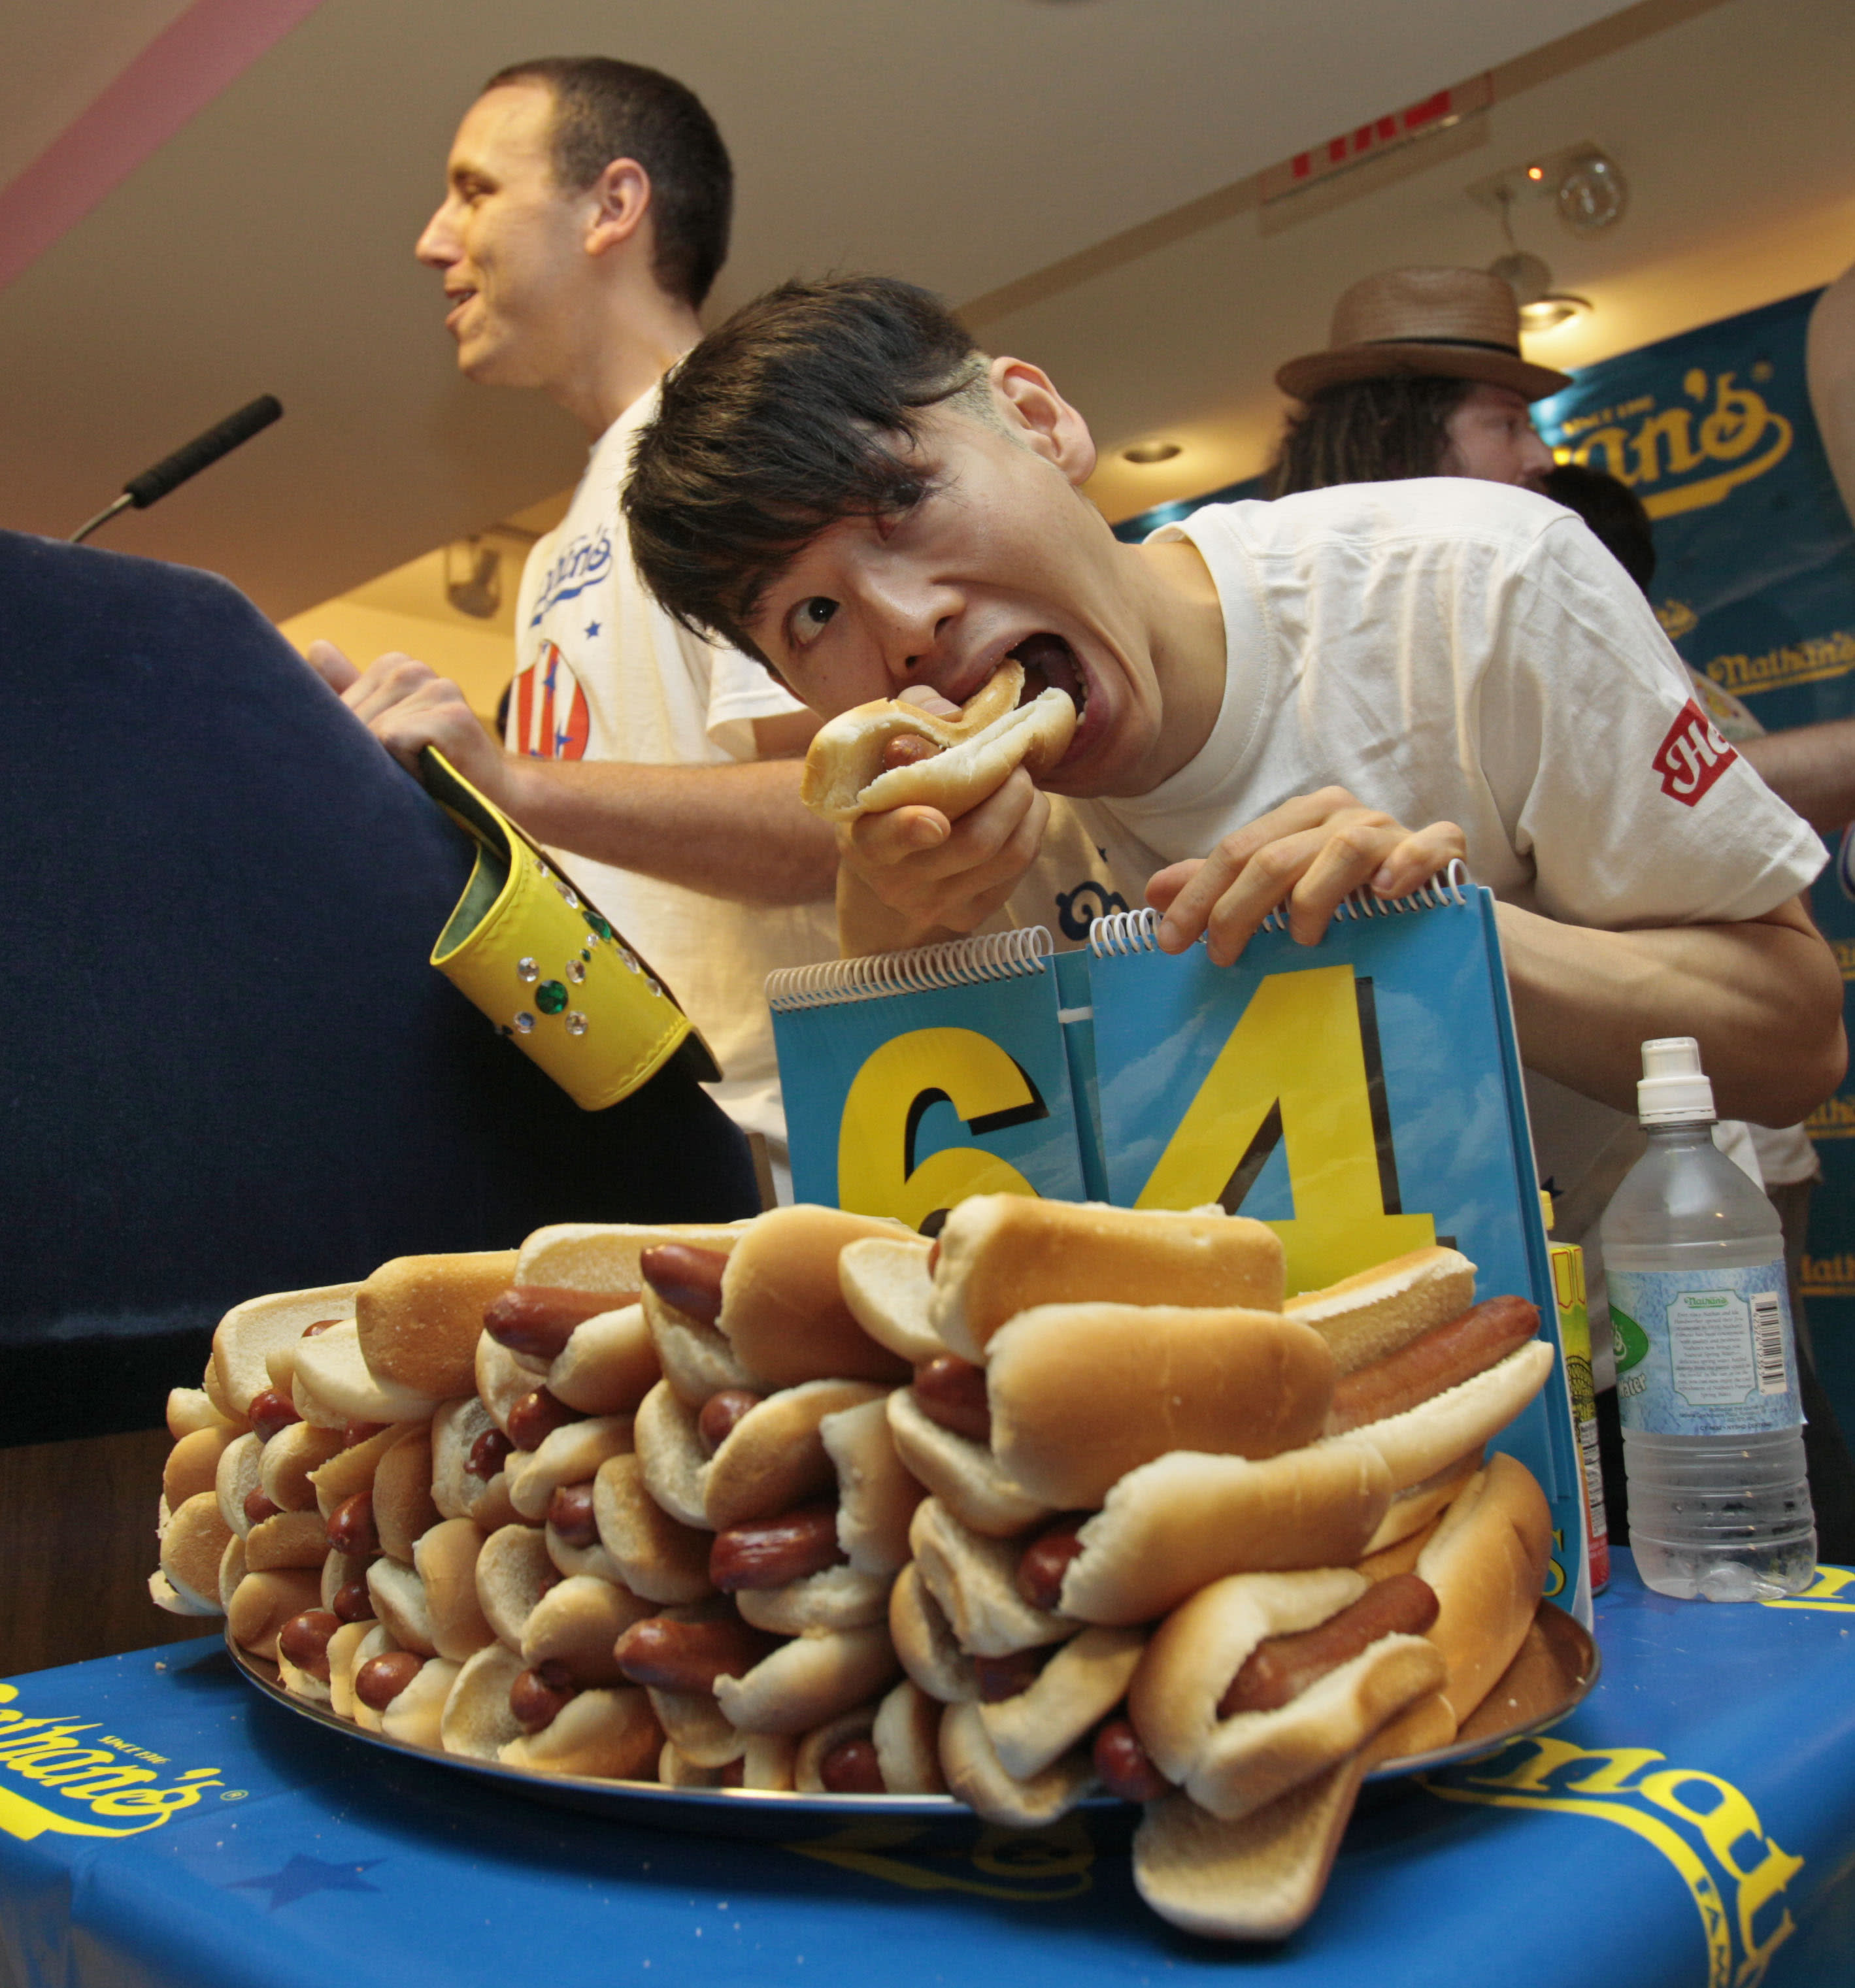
1692 756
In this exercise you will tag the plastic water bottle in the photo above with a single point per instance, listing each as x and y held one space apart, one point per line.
1706 1366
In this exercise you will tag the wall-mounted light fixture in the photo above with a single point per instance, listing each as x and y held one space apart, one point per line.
1146 452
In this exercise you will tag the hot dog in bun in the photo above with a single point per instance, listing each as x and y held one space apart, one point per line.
899 751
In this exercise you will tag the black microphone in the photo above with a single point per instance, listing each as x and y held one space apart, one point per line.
188 460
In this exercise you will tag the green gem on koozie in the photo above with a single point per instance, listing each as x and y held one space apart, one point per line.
598 924
550 997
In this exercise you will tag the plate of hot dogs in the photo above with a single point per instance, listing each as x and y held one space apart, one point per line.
734 1527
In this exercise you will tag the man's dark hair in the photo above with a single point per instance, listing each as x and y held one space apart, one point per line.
606 109
1614 513
1378 430
783 421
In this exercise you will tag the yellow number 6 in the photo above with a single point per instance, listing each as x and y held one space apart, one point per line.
876 1173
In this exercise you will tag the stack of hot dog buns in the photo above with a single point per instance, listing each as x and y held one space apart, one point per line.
810 1502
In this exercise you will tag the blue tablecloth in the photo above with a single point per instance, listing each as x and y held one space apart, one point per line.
1694 1822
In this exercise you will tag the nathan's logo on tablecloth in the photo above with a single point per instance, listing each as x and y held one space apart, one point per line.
1831 1276
1736 1873
1692 756
1033 1867
1690 454
71 1778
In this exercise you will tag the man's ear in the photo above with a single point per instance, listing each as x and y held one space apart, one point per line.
622 198
1041 419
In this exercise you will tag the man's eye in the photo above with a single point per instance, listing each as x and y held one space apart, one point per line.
810 616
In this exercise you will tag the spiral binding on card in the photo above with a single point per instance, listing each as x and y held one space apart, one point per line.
956 963
1126 932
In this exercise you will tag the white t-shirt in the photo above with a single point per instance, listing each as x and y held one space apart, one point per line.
1453 650
603 673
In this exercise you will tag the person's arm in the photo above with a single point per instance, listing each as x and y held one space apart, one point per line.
1812 768
737 832
1763 999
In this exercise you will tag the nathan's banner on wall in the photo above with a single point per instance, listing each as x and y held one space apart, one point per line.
1755 581
1756 556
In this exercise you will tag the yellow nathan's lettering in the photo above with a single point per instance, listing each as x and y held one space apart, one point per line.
1672 426
1295 1067
876 1175
1612 1766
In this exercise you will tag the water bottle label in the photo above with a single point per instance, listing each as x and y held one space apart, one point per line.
1705 1352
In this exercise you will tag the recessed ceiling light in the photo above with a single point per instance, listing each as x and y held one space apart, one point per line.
1548 312
1146 452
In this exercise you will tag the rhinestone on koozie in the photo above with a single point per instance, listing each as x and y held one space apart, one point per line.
599 926
524 1022
550 997
575 971
528 969
631 958
572 902
576 1021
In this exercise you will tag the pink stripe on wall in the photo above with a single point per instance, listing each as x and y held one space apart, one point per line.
179 72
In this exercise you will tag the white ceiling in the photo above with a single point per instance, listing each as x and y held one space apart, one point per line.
266 247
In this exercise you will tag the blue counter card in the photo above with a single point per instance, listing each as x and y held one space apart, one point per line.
1362 1097
903 1102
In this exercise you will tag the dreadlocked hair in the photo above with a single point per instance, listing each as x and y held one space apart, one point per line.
792 416
1379 431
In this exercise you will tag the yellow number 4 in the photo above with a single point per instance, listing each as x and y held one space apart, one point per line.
1294 1072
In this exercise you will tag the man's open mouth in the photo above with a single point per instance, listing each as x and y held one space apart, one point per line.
1050 663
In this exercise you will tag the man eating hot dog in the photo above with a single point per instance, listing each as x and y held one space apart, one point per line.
1274 703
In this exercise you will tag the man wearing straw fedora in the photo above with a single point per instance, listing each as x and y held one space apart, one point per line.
1422 376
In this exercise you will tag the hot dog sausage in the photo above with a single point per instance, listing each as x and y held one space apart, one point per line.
1046 1560
1443 1357
537 1695
769 1552
304 1641
851 1768
907 748
689 1656
952 1391
259 1507
720 1414
536 1321
535 1417
380 1679
686 1277
358 1432
487 1454
1000 1678
351 1528
353 1602
1124 1767
271 1412
570 1512
1280 1667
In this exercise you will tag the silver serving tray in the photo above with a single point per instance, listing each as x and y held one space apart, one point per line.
1557 1666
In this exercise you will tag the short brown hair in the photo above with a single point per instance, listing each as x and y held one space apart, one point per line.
606 109
781 423
1377 431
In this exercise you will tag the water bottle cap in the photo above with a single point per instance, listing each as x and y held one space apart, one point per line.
1673 1087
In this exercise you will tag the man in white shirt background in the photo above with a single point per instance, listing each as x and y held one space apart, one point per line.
586 215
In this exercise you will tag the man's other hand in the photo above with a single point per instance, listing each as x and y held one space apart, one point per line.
1308 854
408 706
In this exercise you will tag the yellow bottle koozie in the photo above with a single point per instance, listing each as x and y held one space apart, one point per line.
547 968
